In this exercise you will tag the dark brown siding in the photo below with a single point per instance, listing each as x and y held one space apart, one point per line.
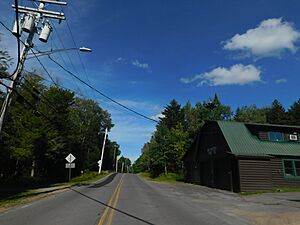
255 174
278 177
286 137
263 135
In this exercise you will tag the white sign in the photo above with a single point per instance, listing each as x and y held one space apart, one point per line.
70 165
70 158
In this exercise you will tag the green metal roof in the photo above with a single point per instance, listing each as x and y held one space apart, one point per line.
242 142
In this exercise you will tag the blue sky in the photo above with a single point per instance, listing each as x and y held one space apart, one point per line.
145 53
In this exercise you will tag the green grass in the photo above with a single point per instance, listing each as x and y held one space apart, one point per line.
286 189
28 195
169 178
87 178
274 190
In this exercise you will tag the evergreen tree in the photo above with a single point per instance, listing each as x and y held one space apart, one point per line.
173 114
294 113
277 114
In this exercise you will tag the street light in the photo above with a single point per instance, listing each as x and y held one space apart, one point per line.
82 49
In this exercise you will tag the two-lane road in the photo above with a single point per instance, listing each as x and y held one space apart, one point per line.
122 199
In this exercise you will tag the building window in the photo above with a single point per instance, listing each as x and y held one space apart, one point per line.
291 168
276 136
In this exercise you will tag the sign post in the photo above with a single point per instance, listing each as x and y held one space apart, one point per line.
70 158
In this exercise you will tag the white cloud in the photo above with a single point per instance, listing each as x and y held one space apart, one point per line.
270 38
280 81
129 131
158 116
235 75
141 105
140 65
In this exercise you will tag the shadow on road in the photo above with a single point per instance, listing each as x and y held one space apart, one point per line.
294 200
106 181
118 210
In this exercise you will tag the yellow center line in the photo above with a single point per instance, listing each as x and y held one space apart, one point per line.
102 219
114 206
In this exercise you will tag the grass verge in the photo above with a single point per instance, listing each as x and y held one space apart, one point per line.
87 178
274 190
168 178
31 195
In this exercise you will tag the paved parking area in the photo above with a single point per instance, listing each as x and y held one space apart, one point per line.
261 209
273 208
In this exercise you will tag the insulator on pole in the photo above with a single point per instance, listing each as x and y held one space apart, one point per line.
28 24
15 28
45 33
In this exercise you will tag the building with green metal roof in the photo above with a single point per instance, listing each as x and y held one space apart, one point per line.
244 156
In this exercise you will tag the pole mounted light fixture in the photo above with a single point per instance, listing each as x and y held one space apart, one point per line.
85 49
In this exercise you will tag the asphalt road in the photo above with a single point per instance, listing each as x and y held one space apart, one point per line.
122 199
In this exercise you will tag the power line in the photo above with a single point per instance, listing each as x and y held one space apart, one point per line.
80 59
27 102
44 98
44 67
70 60
82 81
17 35
18 42
101 93
60 86
64 61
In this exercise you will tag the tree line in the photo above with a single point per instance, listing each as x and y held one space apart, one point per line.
179 125
44 125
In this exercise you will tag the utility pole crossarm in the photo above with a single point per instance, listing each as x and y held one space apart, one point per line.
38 10
44 15
51 2
42 12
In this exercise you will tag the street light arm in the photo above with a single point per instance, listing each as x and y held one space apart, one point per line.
82 49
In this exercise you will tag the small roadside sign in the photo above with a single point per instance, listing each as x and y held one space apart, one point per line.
70 165
70 158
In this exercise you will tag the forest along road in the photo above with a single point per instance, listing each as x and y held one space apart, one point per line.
122 199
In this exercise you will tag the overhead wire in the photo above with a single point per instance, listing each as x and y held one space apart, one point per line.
63 59
101 93
84 82
44 98
68 56
76 46
58 85
18 42
48 74
17 36
27 102
79 56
